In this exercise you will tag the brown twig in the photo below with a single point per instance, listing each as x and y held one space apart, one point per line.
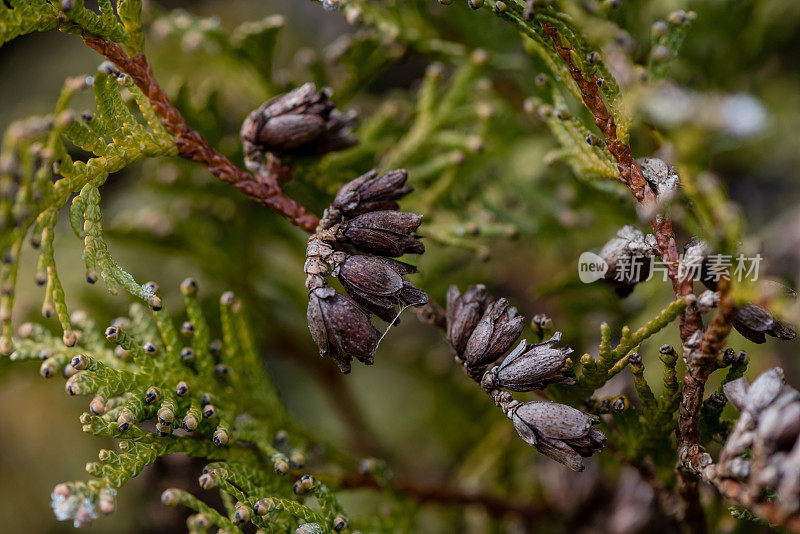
191 145
433 314
446 496
698 368
699 364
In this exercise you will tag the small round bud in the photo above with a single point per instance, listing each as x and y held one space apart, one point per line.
678 18
198 522
112 333
227 298
124 421
541 80
152 395
479 57
93 468
170 497
281 466
207 481
281 437
68 371
48 369
187 329
91 277
353 15
221 370
308 482
368 466
634 358
667 350
339 523
163 430
121 353
613 4
69 338
563 114
592 140
166 416
206 398
263 506
593 58
241 513
209 411
97 406
73 387
80 362
298 459
150 348
220 437
658 29
187 354
500 7
155 303
190 423
604 406
6 346
729 356
189 286
475 4
182 389
215 348
445 2
619 404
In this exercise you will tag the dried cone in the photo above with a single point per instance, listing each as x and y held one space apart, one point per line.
377 284
340 329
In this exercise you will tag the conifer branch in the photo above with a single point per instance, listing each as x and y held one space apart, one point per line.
192 146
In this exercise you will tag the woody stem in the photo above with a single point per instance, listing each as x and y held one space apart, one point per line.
191 145
699 364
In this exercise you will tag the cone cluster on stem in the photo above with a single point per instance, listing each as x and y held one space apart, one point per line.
480 330
356 241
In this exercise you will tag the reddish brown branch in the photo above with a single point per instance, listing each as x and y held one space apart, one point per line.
629 172
699 363
191 144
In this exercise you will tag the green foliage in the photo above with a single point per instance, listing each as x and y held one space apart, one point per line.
139 371
115 138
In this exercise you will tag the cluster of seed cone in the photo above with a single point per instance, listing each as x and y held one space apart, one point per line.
356 240
763 450
480 330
